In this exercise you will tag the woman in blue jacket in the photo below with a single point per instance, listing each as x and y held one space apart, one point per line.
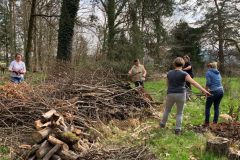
214 85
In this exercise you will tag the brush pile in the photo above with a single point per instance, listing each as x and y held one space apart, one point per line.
230 130
81 104
75 102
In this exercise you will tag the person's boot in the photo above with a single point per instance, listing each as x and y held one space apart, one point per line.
162 125
205 125
177 131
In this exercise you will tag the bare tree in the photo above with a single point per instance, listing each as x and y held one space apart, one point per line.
29 48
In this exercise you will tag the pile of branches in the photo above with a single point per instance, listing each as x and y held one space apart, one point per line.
84 98
122 153
230 130
80 103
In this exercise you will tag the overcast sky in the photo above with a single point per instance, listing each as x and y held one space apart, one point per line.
180 13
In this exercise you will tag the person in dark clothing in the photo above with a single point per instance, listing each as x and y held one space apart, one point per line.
176 92
188 68
214 85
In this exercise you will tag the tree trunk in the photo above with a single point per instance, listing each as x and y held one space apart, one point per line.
218 146
30 35
66 29
137 46
35 56
111 28
14 47
220 37
40 44
157 30
12 28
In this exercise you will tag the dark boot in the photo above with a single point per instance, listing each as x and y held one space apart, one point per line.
178 131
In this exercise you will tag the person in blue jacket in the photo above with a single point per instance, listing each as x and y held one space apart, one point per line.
214 85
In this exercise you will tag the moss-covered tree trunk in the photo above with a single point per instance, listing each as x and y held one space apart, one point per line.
111 28
66 28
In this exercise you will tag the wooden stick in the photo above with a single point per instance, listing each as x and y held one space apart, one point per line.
47 124
233 154
68 155
32 151
52 152
49 114
38 136
56 157
43 150
56 141
38 124
32 158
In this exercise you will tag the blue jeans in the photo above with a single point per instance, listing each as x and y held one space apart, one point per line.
17 79
214 99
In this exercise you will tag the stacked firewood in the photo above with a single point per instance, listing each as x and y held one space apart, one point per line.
55 139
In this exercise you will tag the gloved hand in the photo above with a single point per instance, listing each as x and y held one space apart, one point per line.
143 79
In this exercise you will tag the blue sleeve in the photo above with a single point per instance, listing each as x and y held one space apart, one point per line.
208 79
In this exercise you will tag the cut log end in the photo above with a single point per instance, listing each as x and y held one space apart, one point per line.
234 154
38 136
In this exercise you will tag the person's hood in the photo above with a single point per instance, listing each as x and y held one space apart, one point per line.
215 71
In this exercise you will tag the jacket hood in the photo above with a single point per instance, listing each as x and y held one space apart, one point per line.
215 71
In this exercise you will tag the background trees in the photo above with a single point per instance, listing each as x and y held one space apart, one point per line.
186 41
119 30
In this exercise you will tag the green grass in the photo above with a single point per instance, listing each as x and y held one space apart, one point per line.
4 151
30 77
166 145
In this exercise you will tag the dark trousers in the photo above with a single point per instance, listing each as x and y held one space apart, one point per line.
188 85
139 83
214 99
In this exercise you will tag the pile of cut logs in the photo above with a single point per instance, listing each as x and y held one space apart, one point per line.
55 139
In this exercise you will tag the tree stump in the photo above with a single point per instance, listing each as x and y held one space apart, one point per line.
218 146
234 154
